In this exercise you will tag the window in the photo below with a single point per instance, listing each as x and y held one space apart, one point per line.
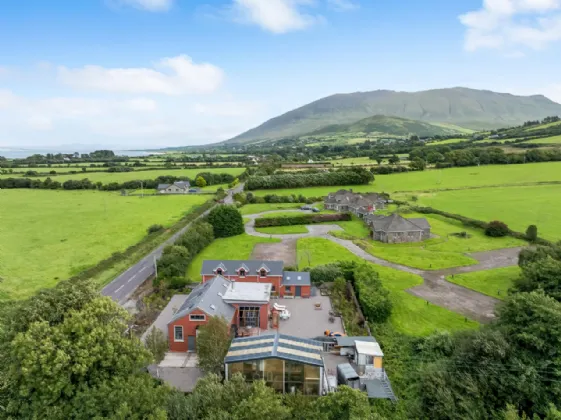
219 271
263 273
249 316
287 289
197 317
242 272
178 333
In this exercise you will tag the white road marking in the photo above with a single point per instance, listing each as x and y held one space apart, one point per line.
132 278
117 291
143 269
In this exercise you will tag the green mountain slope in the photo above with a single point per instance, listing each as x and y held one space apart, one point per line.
469 108
383 125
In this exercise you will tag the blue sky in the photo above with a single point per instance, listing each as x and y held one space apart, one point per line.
151 73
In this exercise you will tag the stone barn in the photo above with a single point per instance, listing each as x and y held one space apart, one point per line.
396 229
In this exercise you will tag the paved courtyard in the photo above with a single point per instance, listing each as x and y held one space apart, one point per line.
306 321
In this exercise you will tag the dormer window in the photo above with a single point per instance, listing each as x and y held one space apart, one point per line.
219 271
242 272
263 273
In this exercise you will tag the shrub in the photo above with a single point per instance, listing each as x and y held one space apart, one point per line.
532 233
372 295
325 273
355 176
304 219
226 221
497 229
155 228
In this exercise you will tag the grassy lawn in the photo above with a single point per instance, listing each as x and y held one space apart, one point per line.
283 230
107 177
356 227
410 314
440 179
49 236
260 208
516 206
495 282
443 252
233 248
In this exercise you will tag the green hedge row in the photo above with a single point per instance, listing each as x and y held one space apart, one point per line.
467 221
146 244
356 176
305 219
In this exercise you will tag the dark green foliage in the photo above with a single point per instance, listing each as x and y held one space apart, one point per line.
373 297
325 273
418 164
226 221
155 228
213 342
157 343
173 262
497 229
532 233
305 219
543 274
354 176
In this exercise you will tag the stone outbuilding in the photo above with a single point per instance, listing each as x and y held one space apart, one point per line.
395 229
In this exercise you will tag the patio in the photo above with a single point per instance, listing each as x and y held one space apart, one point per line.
306 321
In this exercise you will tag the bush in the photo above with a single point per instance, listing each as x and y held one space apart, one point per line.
226 221
532 233
325 273
497 229
155 228
372 295
304 219
355 176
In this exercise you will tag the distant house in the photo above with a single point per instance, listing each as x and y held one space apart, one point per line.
395 229
179 187
358 204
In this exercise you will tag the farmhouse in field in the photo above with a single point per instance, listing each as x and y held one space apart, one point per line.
238 291
179 187
358 204
396 229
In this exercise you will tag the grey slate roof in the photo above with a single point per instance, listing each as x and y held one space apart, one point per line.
182 184
396 223
350 341
346 371
278 346
422 223
295 278
162 186
208 298
275 268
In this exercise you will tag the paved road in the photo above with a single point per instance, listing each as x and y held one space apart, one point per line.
435 288
127 282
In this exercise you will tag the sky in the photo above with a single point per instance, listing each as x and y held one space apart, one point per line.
129 74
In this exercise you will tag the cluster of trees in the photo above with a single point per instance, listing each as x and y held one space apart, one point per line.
175 259
541 270
226 221
248 198
86 184
305 219
354 176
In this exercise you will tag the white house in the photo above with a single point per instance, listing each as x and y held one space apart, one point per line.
179 187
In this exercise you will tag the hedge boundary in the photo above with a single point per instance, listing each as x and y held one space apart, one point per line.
306 219
146 244
467 221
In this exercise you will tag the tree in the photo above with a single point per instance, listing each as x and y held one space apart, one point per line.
200 182
497 229
532 233
157 343
213 342
226 221
544 274
393 159
345 404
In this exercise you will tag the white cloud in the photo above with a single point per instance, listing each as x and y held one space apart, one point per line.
150 5
343 5
228 109
177 76
510 23
277 16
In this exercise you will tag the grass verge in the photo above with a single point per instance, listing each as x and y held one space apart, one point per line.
495 282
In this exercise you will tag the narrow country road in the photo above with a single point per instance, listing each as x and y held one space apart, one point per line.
122 287
435 288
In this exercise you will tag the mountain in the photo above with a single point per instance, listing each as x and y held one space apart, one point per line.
391 126
468 108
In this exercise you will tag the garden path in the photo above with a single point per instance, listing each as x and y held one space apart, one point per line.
435 288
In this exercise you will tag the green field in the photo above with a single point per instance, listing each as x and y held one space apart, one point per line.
446 251
260 208
547 140
283 230
441 179
495 282
49 236
107 177
410 315
358 161
444 142
233 248
516 206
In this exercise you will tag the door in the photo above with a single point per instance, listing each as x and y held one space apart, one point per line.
191 346
298 291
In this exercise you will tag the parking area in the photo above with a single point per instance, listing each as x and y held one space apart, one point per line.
306 320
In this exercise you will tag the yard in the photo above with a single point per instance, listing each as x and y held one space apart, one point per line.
495 282
234 248
410 314
446 251
49 236
516 206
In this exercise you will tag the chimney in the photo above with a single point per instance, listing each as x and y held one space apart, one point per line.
233 283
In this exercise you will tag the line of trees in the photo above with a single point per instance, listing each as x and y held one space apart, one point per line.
354 176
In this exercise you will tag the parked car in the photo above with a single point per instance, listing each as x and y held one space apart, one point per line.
306 208
315 210
191 190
